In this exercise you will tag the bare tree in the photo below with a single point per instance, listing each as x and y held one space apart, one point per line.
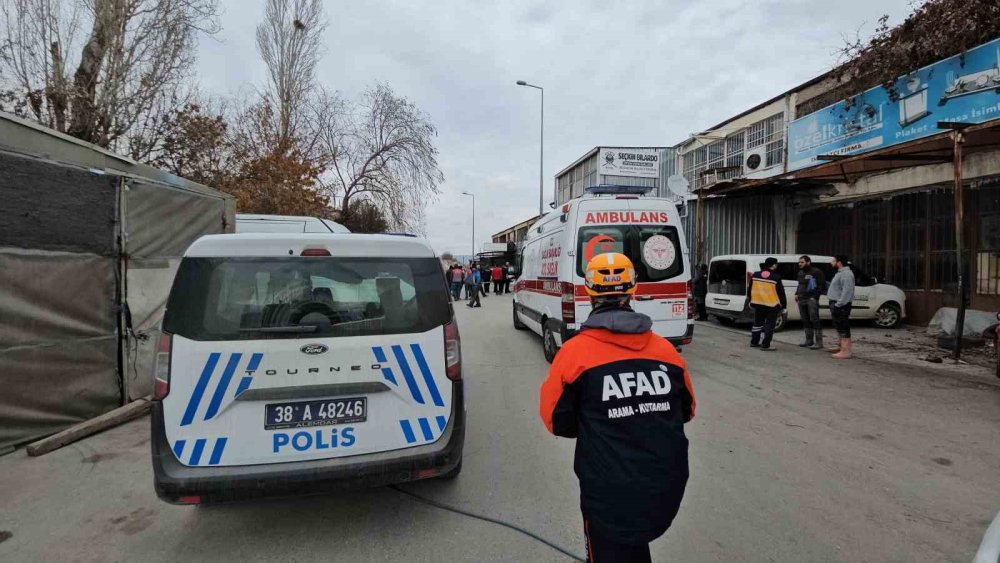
289 42
382 149
130 71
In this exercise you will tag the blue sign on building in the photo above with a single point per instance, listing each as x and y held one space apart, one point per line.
944 91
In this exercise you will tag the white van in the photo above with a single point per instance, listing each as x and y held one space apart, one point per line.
550 297
305 363
728 277
253 223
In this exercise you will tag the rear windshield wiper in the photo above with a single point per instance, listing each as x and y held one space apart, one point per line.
283 329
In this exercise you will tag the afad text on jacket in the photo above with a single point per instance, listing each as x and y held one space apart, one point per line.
624 393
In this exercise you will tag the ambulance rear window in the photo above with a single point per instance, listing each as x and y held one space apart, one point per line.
654 250
296 297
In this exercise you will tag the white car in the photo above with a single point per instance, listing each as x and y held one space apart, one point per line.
729 275
253 223
305 363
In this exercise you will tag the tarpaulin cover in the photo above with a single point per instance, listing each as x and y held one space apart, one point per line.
58 345
161 222
54 207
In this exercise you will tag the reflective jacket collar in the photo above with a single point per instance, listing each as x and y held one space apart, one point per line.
623 327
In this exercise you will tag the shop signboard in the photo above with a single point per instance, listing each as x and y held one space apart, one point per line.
965 91
638 163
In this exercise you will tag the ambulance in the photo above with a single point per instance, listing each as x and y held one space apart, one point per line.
550 298
305 363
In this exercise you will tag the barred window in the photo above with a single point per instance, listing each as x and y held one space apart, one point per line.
988 255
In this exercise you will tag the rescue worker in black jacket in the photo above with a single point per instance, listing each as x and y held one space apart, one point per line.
624 393
767 297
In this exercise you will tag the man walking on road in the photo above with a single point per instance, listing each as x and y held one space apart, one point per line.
507 274
472 282
841 295
767 297
699 287
624 393
811 285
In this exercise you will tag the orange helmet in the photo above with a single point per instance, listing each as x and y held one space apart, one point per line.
611 273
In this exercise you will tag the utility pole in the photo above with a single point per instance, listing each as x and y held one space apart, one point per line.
957 138
541 147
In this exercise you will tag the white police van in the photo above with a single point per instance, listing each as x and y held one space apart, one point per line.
305 363
550 297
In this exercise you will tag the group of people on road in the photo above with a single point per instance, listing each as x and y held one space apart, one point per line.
476 281
767 298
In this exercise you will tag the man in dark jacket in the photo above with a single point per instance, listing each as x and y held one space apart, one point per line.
812 282
699 287
767 298
624 393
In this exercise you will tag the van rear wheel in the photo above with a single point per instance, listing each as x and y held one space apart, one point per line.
549 343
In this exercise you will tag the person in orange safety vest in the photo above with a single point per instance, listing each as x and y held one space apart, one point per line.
625 394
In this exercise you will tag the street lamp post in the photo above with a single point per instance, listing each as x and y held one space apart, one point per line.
541 144
473 223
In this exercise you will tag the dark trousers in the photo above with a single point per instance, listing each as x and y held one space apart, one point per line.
456 290
763 325
498 286
809 311
701 311
473 292
841 319
486 286
605 550
506 285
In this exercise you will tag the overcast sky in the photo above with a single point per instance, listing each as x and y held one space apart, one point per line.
615 73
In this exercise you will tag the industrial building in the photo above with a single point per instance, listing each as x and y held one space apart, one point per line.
837 166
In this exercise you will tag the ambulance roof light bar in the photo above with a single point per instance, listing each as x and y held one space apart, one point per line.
609 189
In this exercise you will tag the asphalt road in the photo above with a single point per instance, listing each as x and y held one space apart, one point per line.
795 457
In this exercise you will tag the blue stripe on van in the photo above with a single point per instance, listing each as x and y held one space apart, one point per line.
442 422
220 445
220 390
407 431
255 362
380 358
243 386
179 448
408 374
425 427
199 446
428 378
199 388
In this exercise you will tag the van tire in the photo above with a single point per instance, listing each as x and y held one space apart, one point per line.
453 473
549 346
725 321
781 323
518 325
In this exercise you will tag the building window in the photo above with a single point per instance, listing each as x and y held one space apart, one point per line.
769 133
988 254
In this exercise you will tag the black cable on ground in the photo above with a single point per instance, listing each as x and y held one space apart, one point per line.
514 527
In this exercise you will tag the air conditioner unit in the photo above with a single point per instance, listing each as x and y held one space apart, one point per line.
754 160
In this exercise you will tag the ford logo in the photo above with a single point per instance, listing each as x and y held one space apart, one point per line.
313 349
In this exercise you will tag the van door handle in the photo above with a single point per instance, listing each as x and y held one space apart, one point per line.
644 298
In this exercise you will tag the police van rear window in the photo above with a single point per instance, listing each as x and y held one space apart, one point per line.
259 298
654 250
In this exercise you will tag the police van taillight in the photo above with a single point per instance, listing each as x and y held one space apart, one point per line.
452 351
161 369
568 302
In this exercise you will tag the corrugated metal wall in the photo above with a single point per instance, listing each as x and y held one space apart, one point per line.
739 226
